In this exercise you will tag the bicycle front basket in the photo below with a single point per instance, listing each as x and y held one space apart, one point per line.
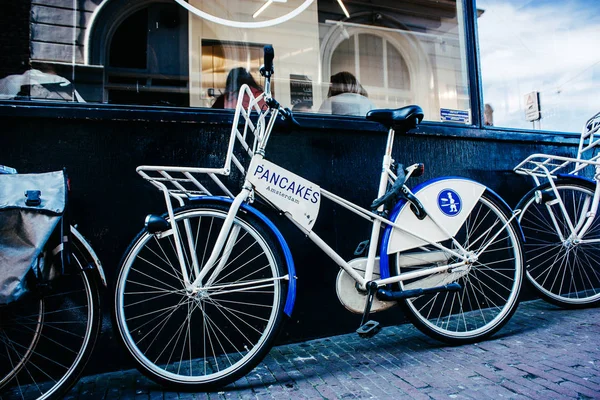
31 205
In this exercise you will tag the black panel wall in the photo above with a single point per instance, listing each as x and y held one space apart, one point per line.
109 200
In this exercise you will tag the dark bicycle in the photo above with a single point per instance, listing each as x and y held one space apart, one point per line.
49 289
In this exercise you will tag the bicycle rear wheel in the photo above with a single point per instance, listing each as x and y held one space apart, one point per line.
48 336
563 272
490 286
208 339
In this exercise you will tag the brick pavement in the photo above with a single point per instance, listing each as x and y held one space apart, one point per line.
543 353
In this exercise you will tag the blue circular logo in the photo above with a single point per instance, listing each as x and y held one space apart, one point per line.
449 202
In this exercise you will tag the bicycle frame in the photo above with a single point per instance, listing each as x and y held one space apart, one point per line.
204 275
228 235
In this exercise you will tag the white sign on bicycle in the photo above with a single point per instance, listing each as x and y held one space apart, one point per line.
449 202
288 191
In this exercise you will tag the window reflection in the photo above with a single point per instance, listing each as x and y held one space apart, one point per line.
148 58
378 65
158 52
346 96
547 47
219 59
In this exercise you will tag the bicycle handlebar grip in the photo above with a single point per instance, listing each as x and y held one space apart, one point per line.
269 55
289 116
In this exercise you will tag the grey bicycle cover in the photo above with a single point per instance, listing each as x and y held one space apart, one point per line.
25 229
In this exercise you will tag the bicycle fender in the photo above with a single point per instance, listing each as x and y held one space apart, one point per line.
576 177
94 261
291 295
448 199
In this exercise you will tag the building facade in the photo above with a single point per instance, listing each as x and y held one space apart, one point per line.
102 86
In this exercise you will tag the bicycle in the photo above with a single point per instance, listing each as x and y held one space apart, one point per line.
50 319
203 289
560 222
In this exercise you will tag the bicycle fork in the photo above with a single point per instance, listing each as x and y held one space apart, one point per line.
223 247
225 242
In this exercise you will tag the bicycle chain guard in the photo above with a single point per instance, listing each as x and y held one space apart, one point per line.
350 297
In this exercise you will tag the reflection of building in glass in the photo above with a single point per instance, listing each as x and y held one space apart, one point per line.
155 52
144 50
16 51
37 85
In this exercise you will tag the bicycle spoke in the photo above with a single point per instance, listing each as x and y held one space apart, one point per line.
148 299
565 273
489 286
155 279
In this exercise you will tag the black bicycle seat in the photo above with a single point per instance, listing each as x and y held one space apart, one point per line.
403 118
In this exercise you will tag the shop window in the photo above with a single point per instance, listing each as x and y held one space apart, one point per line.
539 59
179 53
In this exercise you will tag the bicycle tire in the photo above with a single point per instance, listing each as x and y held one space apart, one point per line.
20 331
150 282
68 331
562 273
490 287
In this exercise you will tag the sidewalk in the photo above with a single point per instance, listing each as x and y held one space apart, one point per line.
543 353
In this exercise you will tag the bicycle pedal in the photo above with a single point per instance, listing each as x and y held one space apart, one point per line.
369 329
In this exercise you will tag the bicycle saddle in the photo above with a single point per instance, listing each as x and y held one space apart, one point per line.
403 118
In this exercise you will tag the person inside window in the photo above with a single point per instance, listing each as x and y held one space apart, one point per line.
346 96
235 79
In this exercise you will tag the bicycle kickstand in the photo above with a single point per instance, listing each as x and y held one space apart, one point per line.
367 328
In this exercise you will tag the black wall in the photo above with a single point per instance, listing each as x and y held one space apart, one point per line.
102 148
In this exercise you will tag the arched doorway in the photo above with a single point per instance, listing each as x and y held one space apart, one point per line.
377 65
144 49
389 62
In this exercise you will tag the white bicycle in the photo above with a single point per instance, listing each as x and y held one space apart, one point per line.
561 224
203 290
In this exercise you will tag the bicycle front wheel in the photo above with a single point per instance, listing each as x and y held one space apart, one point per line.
490 286
47 337
206 339
564 272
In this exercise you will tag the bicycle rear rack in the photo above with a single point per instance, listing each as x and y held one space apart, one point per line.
182 183
551 166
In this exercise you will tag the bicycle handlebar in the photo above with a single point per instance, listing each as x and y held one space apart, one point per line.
285 113
267 69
